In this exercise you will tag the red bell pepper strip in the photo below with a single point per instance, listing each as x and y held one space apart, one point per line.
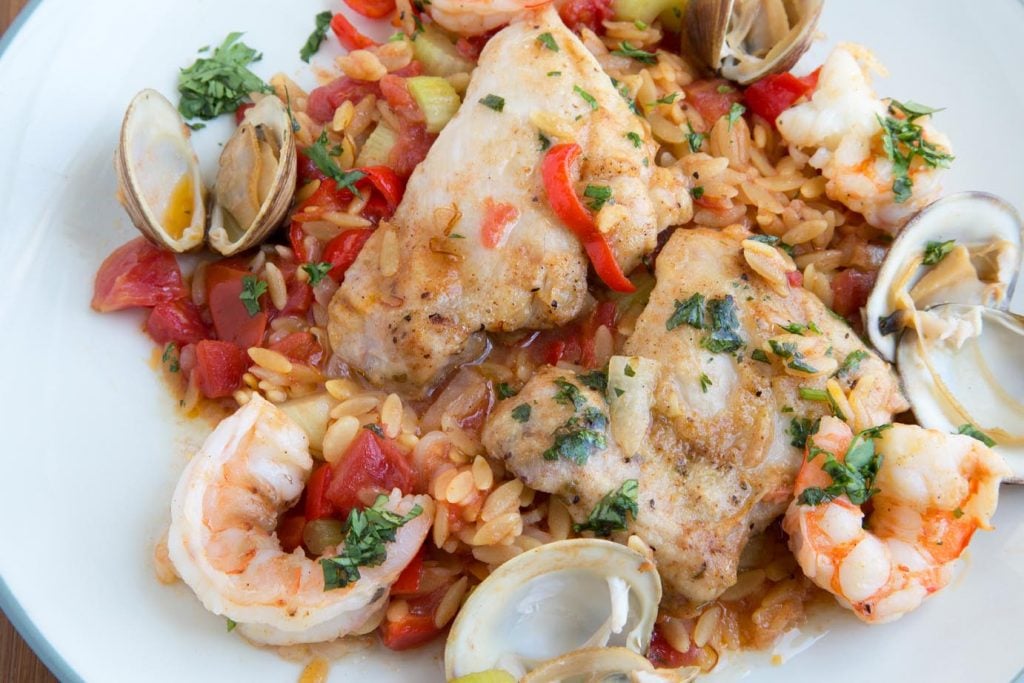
556 170
774 94
341 252
374 9
317 505
349 35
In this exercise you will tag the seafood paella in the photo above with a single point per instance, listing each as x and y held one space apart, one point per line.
588 338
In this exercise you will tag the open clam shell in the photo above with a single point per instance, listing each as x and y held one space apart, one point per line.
553 600
256 179
159 183
981 268
744 40
961 364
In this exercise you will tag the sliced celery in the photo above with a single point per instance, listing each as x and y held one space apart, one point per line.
377 148
437 53
436 98
648 10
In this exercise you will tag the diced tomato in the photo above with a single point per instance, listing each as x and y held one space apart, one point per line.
317 506
220 365
410 149
590 13
341 252
499 217
712 98
374 9
137 274
555 351
231 319
349 35
795 278
774 94
411 577
603 315
471 47
387 183
663 655
240 112
300 298
410 631
325 99
301 347
370 465
850 290
296 237
289 531
176 321
396 92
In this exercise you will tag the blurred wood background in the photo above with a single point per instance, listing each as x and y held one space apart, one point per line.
18 663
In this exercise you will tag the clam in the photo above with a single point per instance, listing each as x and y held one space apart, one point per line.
979 267
744 40
256 179
158 174
606 664
554 600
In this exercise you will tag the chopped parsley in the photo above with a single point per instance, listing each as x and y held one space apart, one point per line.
705 382
642 56
579 437
724 336
694 139
635 139
800 428
252 289
628 370
610 513
822 396
317 271
903 140
697 192
735 111
936 251
760 356
493 102
170 357
367 532
587 97
545 142
667 99
596 380
568 394
323 20
600 194
503 391
216 85
851 362
766 239
552 74
690 312
801 329
975 433
322 157
521 413
231 624
854 477
958 513
548 41
796 360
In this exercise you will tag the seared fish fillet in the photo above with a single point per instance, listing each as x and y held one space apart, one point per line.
474 246
715 459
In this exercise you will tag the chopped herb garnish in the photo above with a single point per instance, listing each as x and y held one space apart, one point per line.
890 323
579 437
735 111
690 312
218 84
545 141
903 140
521 413
569 394
252 290
600 194
456 236
766 239
705 382
801 328
322 157
958 513
694 139
723 89
196 126
640 24
628 370
548 41
596 380
760 356
800 428
619 392
503 390
936 251
170 357
587 97
642 56
851 362
367 532
975 433
317 271
635 139
493 102
854 477
667 99
609 515
822 396
323 20
554 73
231 623
724 337
697 192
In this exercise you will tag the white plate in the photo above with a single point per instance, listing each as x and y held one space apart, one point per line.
91 445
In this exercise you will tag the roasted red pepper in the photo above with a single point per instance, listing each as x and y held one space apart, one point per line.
556 170
774 94
349 35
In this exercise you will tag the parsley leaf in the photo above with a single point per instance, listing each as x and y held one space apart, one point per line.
587 97
521 413
903 141
600 194
800 428
975 433
667 99
367 533
548 41
851 362
801 328
854 477
697 192
690 312
503 391
493 102
231 624
321 157
936 251
724 337
252 290
569 394
596 380
735 111
375 428
170 357
323 20
610 513
545 142
821 395
642 56
635 139
694 139
705 382
317 271
628 370
579 437
215 85
760 356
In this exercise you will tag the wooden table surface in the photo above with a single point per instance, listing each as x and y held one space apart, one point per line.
17 661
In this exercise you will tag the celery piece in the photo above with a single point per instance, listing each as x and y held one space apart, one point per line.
436 98
436 52
648 10
377 148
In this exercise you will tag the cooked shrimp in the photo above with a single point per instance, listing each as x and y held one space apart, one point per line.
934 491
475 17
840 128
223 545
